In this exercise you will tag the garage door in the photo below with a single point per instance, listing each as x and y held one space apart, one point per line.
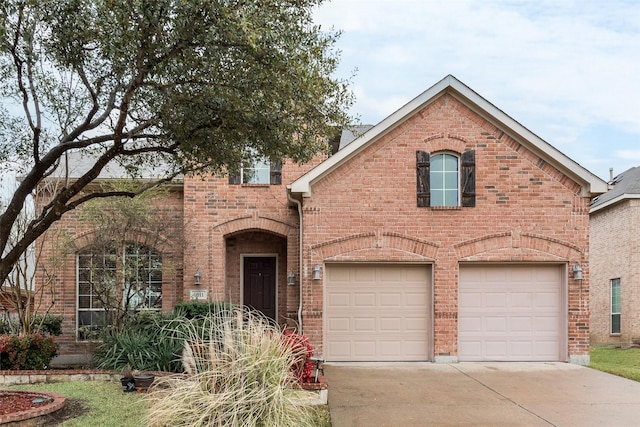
511 313
377 312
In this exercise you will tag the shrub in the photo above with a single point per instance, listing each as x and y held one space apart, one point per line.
145 343
239 367
300 346
33 351
48 324
194 309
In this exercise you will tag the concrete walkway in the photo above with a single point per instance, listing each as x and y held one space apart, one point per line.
479 394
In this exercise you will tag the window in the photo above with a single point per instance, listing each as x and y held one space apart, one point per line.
445 179
259 171
615 306
112 281
443 176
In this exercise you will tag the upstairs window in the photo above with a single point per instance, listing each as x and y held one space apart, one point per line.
443 176
445 179
615 306
258 171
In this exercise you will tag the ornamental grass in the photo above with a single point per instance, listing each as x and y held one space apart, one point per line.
238 373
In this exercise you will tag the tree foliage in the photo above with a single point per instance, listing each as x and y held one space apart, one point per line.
193 85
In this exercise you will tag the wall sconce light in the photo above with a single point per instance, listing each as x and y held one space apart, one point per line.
316 272
197 277
291 278
577 272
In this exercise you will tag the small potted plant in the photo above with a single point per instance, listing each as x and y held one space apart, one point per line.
143 381
127 381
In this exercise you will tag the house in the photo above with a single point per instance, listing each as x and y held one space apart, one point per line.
447 232
615 262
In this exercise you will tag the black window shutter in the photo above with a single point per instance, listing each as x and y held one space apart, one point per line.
468 179
276 173
422 179
234 179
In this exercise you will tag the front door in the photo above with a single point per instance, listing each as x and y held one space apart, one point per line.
259 288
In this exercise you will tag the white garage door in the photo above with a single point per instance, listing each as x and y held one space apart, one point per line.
511 313
377 312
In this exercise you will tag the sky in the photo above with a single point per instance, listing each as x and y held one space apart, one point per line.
567 70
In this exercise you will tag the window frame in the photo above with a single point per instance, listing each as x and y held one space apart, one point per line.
152 277
615 301
466 179
273 169
445 179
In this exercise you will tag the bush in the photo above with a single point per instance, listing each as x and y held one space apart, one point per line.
145 343
195 309
48 324
33 351
239 367
300 346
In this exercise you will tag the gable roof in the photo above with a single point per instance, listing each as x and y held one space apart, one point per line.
591 183
624 186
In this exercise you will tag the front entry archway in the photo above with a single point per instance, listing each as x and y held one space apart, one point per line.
259 290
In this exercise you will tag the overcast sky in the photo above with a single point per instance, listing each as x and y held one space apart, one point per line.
567 70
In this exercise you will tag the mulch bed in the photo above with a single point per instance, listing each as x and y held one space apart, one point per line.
11 402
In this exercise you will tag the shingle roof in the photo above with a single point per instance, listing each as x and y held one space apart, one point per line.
624 186
351 133
590 183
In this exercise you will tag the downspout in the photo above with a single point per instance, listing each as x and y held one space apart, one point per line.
299 206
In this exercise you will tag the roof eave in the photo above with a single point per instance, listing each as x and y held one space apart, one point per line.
591 184
615 200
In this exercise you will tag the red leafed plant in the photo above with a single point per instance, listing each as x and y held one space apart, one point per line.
33 351
303 367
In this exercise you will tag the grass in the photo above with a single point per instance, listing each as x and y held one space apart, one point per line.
618 361
108 405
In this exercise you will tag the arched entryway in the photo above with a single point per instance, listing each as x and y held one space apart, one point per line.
256 272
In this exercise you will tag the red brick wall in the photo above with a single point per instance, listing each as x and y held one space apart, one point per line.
70 235
615 254
526 210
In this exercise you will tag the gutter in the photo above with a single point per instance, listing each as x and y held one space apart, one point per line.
300 249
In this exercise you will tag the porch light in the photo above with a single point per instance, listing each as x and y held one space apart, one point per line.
291 278
577 272
197 277
316 272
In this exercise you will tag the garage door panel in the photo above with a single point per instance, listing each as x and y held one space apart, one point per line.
339 324
337 299
388 311
391 299
510 312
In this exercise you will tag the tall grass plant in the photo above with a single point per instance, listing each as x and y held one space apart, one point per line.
238 367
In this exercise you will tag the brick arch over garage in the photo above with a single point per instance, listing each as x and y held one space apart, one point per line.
382 245
520 245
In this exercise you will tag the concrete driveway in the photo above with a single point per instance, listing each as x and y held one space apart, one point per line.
479 394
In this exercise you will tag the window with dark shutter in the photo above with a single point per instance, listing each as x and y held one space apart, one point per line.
258 172
422 179
234 179
468 178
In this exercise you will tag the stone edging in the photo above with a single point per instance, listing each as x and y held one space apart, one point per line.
55 376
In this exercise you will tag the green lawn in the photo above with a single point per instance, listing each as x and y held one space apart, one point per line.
617 361
110 407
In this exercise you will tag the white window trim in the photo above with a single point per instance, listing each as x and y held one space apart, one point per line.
458 184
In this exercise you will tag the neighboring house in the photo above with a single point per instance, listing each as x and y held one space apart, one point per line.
447 232
615 262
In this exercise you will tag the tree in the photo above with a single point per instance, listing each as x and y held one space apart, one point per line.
21 298
197 86
134 243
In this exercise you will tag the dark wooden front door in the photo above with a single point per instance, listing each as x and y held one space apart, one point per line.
260 284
